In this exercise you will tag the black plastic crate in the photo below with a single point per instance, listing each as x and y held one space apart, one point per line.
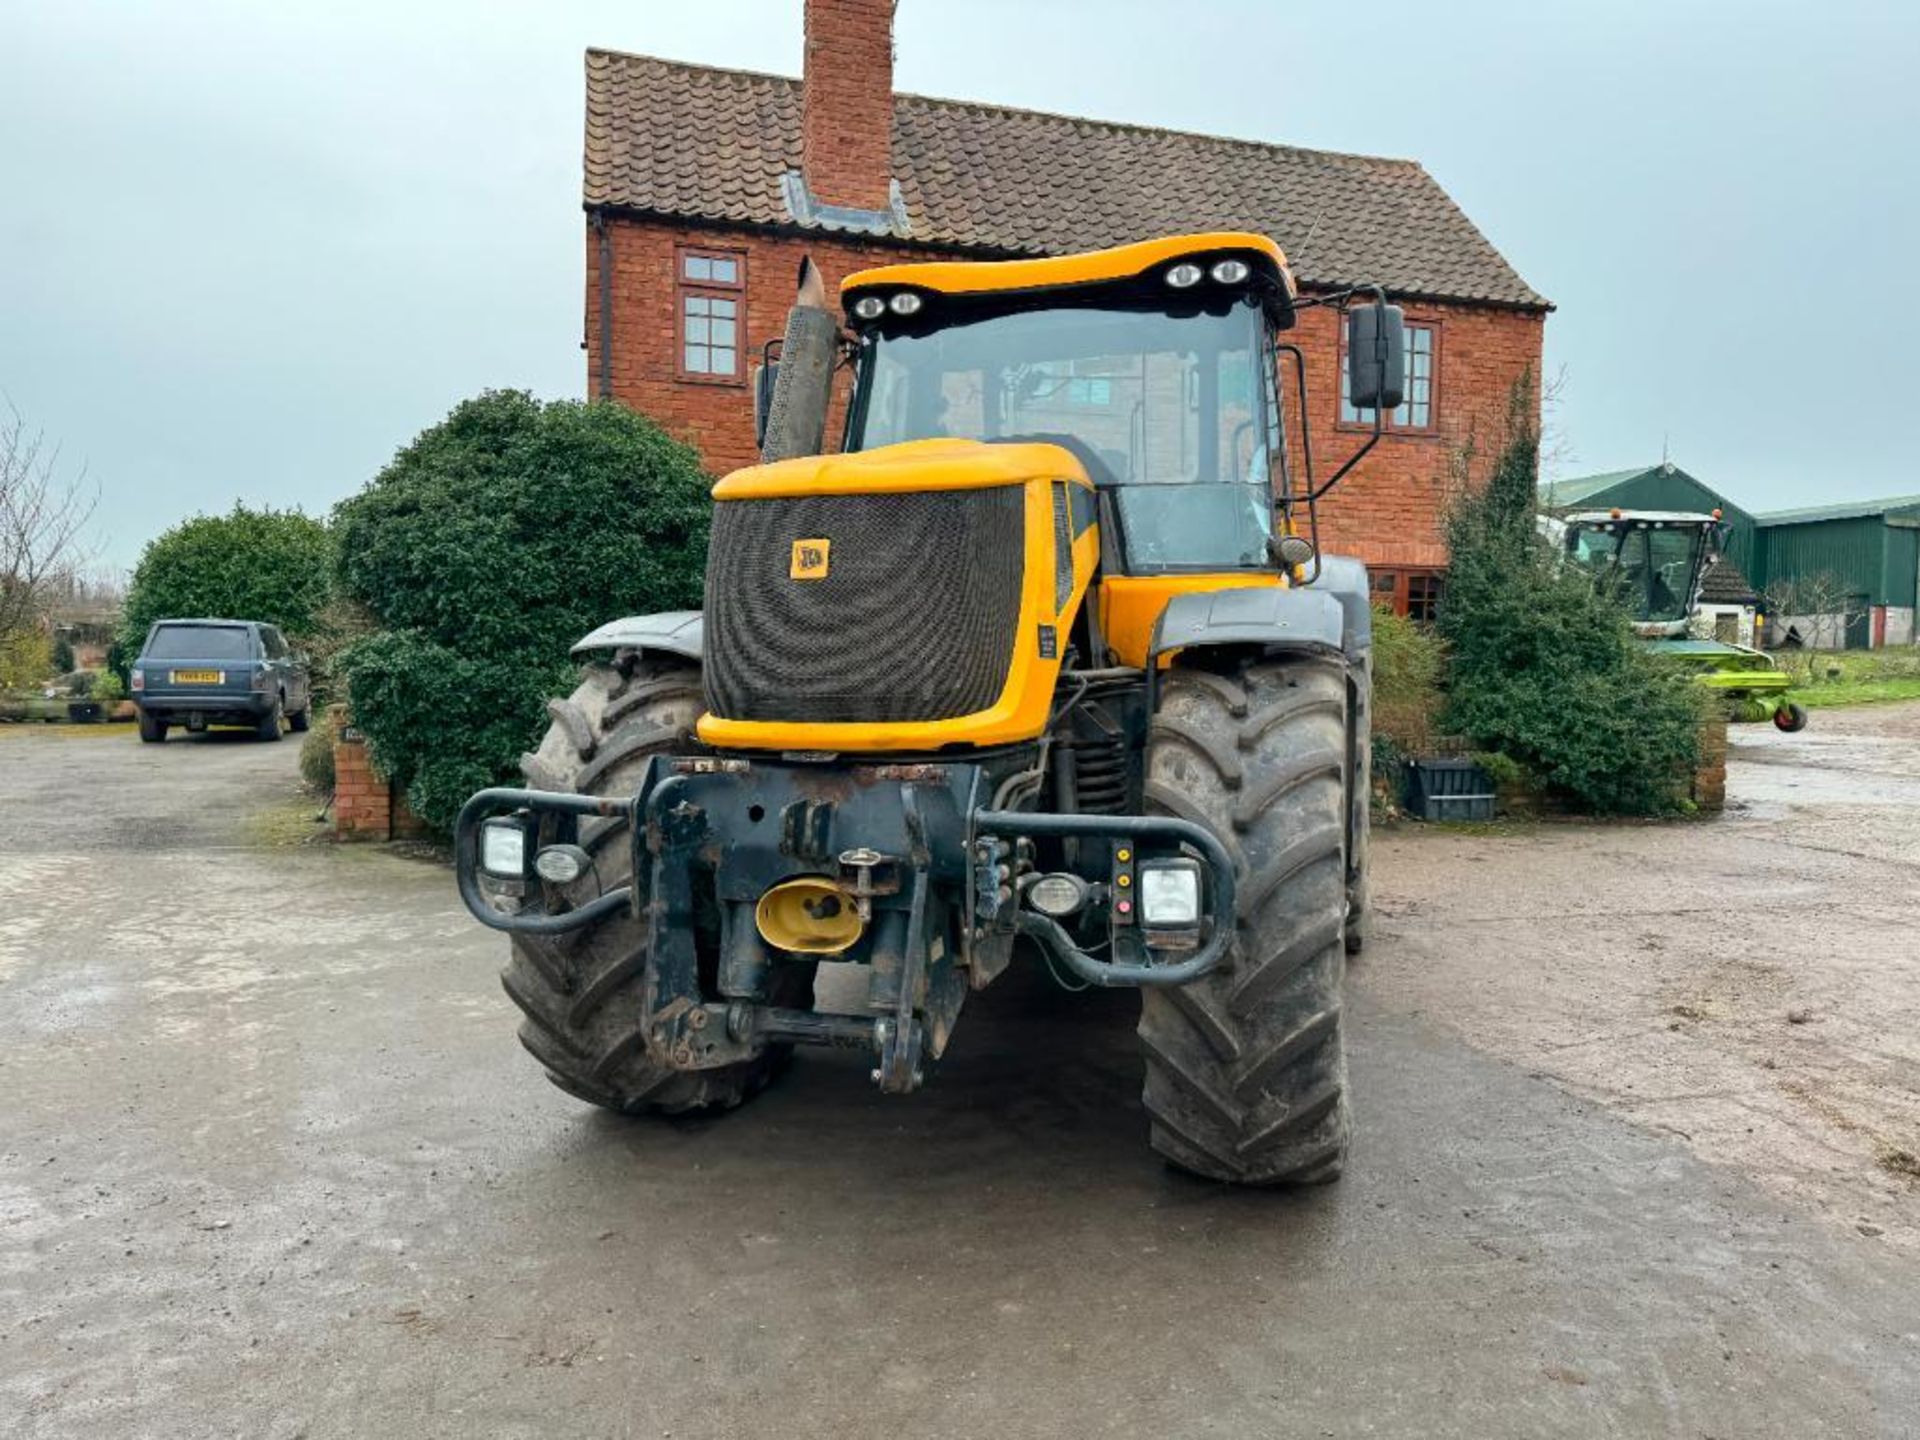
1448 790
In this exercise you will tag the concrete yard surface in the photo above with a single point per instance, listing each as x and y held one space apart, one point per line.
271 1163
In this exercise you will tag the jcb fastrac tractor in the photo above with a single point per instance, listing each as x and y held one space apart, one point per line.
1655 561
1044 656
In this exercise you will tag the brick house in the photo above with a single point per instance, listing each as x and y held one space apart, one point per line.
705 187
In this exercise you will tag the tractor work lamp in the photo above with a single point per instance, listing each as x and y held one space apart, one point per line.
1230 272
503 849
1184 276
1291 550
1057 895
869 307
1170 895
561 864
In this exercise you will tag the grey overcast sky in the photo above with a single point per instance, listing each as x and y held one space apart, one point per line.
247 250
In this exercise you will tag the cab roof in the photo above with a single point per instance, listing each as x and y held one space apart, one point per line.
1144 260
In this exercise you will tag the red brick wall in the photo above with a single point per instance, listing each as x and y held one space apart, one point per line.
1387 511
364 807
846 129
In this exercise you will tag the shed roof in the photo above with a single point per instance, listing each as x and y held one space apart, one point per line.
1902 506
1584 487
1661 486
690 141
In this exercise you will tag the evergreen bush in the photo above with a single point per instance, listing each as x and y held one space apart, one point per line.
267 565
1543 668
486 548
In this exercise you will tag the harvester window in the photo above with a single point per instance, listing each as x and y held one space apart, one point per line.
712 294
1418 413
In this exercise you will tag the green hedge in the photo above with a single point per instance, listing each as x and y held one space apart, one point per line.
271 565
483 551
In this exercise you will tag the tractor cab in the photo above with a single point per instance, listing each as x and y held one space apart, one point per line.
1155 368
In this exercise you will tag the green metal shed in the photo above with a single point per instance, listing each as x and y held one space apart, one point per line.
1871 546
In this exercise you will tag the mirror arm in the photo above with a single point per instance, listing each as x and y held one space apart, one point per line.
1307 493
1379 428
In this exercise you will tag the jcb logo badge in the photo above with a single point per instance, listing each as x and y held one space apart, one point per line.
809 560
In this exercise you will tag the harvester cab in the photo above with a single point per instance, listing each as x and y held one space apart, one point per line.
1653 560
1045 658
1656 562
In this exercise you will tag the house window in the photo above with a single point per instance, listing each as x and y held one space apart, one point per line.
1423 597
1418 410
1057 384
1412 593
712 288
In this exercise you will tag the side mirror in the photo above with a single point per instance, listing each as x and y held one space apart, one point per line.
764 377
1376 356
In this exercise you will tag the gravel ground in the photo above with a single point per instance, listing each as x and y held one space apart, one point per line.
271 1163
1750 984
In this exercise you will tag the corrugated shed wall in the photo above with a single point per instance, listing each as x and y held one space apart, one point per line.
1855 550
1901 578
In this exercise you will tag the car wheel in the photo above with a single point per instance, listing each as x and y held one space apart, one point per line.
269 726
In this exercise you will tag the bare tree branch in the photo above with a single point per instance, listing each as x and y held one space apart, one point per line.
43 523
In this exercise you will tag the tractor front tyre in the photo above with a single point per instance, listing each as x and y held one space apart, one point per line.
582 993
1246 1069
1790 717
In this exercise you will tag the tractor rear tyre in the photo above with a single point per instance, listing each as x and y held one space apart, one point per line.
582 992
1246 1071
1791 718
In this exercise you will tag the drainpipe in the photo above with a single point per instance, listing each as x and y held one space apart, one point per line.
604 384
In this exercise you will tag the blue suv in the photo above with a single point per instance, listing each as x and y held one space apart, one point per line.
198 673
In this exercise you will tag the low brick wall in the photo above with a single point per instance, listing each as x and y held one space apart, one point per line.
1706 787
364 806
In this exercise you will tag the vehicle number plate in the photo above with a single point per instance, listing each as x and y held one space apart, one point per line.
198 677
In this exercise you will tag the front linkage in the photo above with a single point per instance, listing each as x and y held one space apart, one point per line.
898 865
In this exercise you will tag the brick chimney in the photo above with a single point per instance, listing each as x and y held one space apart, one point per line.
846 108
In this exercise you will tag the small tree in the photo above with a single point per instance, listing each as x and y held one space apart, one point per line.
26 658
270 565
1814 612
44 512
1543 668
491 543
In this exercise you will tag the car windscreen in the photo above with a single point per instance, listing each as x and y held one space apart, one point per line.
200 642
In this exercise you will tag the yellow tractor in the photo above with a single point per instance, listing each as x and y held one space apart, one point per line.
1044 660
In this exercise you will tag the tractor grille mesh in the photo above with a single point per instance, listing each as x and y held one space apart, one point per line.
915 619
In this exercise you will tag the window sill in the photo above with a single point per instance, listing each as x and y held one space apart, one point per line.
1347 427
689 377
